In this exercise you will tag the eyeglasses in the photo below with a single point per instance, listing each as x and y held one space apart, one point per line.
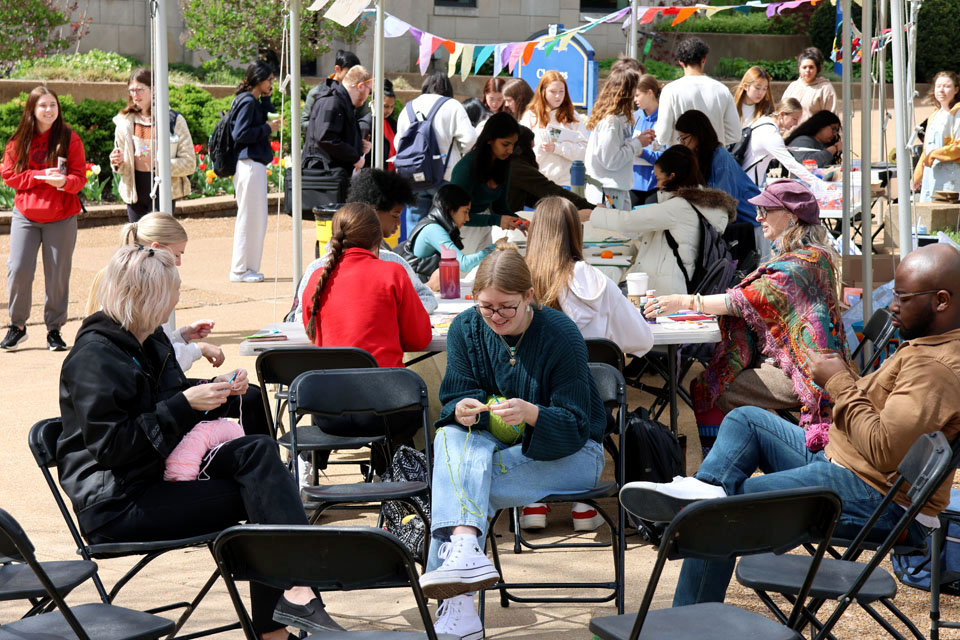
683 137
505 312
136 90
898 296
763 212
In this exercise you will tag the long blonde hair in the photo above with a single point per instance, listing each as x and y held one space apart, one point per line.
616 97
765 106
802 235
554 247
158 227
138 286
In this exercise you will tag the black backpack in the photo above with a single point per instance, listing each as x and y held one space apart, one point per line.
408 465
221 147
418 157
715 269
739 148
651 450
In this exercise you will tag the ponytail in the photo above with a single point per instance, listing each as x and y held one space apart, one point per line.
333 258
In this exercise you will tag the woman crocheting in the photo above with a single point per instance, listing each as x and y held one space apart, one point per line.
129 413
788 306
509 362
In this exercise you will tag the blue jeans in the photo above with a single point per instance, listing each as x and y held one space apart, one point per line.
750 439
475 475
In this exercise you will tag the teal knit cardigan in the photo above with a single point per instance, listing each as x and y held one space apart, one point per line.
551 372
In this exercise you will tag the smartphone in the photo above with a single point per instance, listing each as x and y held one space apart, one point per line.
62 165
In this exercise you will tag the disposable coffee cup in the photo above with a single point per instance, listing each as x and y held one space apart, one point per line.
637 289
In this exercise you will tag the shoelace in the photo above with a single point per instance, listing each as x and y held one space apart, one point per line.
443 552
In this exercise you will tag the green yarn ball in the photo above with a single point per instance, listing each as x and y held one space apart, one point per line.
505 433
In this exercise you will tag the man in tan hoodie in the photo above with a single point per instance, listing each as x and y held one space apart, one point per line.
876 419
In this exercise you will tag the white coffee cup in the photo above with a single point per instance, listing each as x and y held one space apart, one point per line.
637 289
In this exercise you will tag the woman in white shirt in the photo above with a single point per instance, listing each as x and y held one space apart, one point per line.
766 144
939 169
752 97
563 280
612 148
560 136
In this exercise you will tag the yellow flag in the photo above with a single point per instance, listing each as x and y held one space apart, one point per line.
452 63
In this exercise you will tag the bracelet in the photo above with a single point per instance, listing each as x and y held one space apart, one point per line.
698 302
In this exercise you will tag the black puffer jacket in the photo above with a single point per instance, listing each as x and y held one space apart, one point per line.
333 135
424 267
123 413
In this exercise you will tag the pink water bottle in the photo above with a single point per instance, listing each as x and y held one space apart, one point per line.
449 274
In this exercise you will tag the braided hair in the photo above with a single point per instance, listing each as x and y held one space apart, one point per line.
355 225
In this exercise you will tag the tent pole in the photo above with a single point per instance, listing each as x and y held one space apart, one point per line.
847 93
295 193
634 52
904 173
866 112
378 114
161 93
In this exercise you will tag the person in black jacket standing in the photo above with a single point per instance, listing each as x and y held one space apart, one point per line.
126 405
251 133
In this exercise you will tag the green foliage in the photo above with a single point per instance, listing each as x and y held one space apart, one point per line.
734 68
94 65
953 235
823 27
92 120
210 72
734 22
25 30
239 29
662 71
937 27
97 182
7 195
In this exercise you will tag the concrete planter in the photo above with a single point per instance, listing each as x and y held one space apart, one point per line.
107 91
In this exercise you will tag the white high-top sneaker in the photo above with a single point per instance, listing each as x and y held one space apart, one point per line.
457 617
465 568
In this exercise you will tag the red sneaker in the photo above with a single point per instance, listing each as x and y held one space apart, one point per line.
585 517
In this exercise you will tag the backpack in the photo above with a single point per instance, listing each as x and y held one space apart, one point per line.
739 148
221 147
715 268
914 569
408 465
418 156
651 450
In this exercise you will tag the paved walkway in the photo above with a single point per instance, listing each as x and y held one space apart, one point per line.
29 393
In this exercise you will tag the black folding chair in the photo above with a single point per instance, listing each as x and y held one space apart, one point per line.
19 582
97 621
325 558
938 540
377 391
724 529
613 394
281 367
927 465
43 444
606 351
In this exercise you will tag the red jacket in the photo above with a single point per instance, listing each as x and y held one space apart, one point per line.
371 304
37 200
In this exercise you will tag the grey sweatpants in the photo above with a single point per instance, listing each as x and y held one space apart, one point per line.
58 240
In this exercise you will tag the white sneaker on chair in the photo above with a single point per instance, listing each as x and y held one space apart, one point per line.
457 617
663 500
465 568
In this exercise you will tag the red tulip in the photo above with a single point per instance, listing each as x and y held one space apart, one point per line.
203 166
197 147
275 146
201 157
276 160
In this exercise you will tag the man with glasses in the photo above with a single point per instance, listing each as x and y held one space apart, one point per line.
876 419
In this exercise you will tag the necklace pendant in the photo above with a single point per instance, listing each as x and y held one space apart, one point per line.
513 361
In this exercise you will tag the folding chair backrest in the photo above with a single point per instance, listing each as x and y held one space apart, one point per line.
878 331
281 366
327 558
610 384
768 522
606 351
345 391
14 543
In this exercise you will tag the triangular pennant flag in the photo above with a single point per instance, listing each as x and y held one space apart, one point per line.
394 27
416 34
516 51
528 52
344 12
648 16
772 9
547 50
466 61
482 56
426 52
449 45
498 59
683 14
744 9
565 40
454 56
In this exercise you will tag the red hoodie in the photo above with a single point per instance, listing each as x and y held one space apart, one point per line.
37 200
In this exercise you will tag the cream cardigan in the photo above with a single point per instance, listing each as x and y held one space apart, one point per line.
183 159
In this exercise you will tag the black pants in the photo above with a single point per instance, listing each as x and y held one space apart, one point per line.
144 205
247 482
250 412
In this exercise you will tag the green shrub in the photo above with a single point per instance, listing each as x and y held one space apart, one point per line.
662 71
937 27
755 22
734 68
95 65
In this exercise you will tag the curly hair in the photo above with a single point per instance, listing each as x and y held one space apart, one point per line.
355 225
616 97
382 189
691 51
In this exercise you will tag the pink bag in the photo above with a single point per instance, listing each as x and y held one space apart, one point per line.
184 461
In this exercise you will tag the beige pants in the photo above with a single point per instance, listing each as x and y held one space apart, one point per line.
767 387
